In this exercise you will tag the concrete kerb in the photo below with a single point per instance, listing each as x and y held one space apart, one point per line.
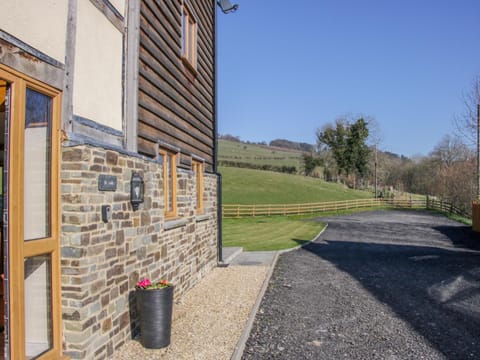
237 354
240 347
306 244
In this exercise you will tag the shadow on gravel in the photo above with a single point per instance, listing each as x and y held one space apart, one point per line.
435 290
461 236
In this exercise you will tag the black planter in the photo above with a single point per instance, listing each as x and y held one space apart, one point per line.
155 309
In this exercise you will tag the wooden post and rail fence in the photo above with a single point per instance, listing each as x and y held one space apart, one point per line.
238 211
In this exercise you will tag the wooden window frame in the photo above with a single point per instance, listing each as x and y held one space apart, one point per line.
20 250
189 38
198 168
169 214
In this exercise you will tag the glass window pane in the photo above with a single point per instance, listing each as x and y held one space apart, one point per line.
38 118
169 184
191 41
38 309
184 33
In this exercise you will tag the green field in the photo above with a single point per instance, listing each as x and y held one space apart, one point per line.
257 155
247 187
269 233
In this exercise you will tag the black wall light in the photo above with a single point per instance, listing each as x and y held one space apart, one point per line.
226 6
137 188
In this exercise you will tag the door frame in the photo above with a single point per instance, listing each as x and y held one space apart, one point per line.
19 249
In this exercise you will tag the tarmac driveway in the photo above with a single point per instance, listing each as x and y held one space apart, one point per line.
375 285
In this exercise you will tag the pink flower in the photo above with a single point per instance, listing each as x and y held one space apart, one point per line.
144 283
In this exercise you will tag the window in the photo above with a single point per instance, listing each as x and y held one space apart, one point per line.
31 112
189 38
198 169
169 183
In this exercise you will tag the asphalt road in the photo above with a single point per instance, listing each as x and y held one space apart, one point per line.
375 285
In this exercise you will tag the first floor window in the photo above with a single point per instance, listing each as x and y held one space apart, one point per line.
189 38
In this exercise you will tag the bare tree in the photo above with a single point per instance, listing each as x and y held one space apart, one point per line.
450 150
466 122
375 137
454 171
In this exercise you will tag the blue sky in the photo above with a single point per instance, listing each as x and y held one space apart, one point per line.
286 67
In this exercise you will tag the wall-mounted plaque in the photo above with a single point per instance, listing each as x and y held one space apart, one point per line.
107 183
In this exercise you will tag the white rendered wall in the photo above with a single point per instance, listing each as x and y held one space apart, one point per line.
97 83
42 24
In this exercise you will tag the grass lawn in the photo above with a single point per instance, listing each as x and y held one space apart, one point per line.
247 186
269 233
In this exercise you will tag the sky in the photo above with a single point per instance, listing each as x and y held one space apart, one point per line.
288 67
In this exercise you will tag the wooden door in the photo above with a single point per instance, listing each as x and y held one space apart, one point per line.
33 276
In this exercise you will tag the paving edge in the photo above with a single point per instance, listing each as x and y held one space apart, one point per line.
306 244
240 347
233 255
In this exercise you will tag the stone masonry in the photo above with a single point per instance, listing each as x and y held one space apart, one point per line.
101 262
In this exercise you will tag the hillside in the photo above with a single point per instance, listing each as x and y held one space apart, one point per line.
247 186
239 152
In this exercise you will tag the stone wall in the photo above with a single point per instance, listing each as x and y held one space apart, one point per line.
101 262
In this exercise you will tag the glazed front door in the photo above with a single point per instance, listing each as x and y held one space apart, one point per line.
32 249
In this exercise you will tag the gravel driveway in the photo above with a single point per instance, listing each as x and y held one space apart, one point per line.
375 285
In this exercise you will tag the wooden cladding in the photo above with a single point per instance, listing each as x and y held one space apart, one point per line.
176 97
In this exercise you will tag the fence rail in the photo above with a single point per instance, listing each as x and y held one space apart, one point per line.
446 207
237 211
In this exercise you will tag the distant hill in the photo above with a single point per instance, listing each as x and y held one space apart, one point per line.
281 155
240 154
292 145
277 143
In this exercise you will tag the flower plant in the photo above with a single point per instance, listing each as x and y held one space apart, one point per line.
146 284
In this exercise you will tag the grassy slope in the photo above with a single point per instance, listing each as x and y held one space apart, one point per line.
246 186
253 154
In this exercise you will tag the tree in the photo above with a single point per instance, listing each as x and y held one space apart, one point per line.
357 148
466 122
448 173
455 166
334 138
450 150
310 163
347 142
374 138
